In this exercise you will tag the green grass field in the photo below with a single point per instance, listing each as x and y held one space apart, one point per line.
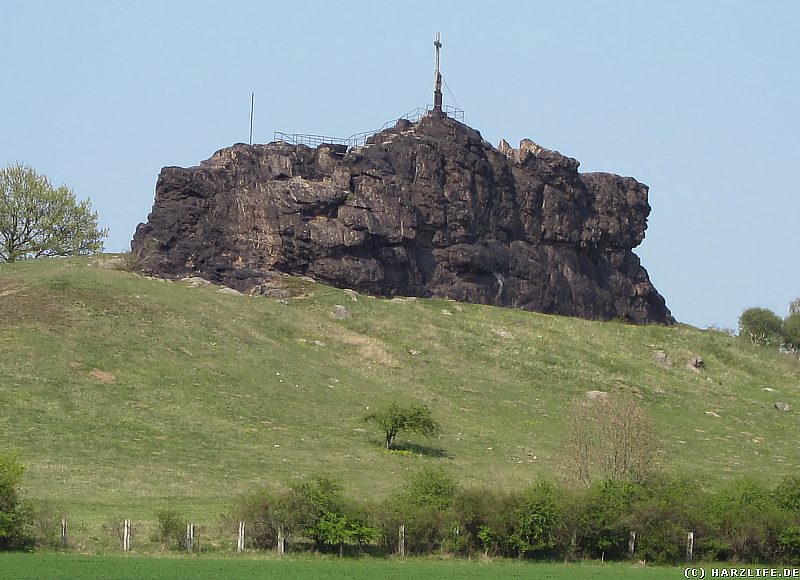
56 566
122 393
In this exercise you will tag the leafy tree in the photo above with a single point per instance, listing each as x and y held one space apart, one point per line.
37 219
761 325
791 331
415 419
14 514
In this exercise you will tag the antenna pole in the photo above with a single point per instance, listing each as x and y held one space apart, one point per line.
437 91
252 103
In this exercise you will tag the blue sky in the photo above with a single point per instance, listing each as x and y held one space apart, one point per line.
698 99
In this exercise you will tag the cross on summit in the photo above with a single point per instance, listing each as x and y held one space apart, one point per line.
437 91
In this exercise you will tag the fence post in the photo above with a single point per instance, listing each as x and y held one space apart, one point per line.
281 541
401 541
240 541
189 537
64 531
631 544
689 546
126 536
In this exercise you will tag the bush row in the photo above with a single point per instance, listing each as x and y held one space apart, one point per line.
745 520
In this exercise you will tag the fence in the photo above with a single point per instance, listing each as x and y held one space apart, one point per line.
361 139
190 544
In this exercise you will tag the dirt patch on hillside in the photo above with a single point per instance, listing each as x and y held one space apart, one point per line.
370 349
102 376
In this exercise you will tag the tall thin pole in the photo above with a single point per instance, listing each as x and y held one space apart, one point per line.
252 105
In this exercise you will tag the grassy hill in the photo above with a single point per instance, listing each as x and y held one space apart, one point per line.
121 392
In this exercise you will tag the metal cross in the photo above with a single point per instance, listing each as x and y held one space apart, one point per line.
438 44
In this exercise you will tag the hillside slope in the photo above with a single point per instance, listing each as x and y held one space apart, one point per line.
119 390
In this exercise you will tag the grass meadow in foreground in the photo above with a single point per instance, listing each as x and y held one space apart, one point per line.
56 566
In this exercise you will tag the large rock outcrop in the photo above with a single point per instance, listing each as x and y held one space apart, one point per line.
424 209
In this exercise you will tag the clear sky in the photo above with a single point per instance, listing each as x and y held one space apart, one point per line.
698 99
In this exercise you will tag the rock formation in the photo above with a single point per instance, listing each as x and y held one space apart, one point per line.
424 209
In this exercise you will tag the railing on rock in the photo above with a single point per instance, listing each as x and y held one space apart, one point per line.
360 139
314 141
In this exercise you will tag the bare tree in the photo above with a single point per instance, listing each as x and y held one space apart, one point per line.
611 439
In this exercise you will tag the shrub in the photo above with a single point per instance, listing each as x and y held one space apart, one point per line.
431 487
787 494
536 520
15 515
266 512
427 527
46 525
171 529
789 543
489 539
481 521
318 495
337 530
744 521
604 520
321 511
662 515
424 507
387 518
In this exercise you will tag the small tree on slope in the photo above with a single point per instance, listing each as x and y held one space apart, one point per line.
415 419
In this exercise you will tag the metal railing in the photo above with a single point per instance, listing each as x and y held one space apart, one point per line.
360 139
314 141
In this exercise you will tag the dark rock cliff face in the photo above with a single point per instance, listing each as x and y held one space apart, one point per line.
427 209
